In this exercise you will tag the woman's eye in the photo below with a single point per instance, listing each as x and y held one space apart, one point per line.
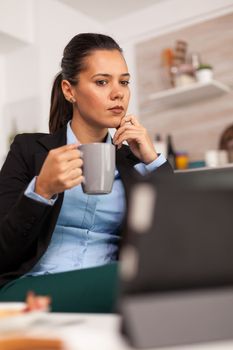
125 82
101 82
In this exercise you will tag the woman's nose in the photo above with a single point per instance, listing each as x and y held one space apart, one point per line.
116 94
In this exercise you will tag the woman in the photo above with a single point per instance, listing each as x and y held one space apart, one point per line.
55 239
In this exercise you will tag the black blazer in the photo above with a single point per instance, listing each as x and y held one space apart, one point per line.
26 226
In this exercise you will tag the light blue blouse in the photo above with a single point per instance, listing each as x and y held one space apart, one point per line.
87 230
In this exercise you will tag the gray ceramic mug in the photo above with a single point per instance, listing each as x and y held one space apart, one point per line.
98 167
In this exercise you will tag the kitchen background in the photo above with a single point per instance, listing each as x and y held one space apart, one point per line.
197 123
33 34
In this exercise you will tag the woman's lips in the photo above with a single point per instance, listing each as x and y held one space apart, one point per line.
116 110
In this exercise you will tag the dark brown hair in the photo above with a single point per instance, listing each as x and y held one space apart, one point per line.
226 139
79 47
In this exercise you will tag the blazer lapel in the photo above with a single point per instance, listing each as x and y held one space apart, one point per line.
125 161
49 141
39 160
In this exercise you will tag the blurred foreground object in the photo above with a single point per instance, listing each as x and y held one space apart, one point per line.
8 309
30 343
33 303
18 319
176 272
37 302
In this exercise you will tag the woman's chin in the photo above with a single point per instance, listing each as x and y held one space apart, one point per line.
115 123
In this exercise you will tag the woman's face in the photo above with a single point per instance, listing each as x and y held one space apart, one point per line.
102 92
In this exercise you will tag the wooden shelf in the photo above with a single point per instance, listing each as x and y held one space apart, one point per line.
190 93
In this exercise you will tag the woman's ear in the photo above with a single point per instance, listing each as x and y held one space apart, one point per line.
67 91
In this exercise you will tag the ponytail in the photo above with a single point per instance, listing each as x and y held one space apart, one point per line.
61 110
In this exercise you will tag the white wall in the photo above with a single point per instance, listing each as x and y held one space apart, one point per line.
22 95
164 17
16 19
19 59
22 73
53 34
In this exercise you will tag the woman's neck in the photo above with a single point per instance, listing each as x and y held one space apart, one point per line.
87 134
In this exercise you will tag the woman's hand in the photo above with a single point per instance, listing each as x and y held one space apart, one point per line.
137 137
62 170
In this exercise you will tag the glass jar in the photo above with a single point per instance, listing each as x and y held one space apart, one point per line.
182 160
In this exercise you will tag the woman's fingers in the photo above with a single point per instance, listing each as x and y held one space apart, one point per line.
75 182
66 153
61 166
129 122
74 164
122 130
130 135
74 172
136 135
130 119
64 149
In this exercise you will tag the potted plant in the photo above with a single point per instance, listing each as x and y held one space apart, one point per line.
204 73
